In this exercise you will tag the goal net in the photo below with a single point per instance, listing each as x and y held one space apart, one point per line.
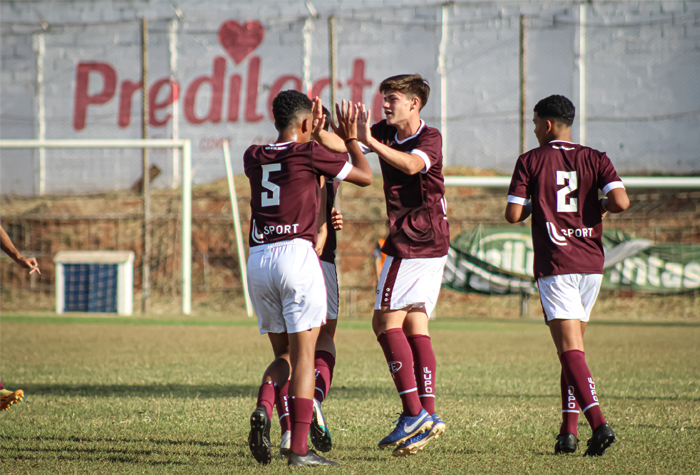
98 166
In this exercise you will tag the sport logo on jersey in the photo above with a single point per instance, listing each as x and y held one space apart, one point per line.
394 366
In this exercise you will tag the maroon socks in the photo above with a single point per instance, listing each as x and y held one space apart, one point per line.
569 408
400 360
424 366
324 364
300 414
576 372
282 405
266 397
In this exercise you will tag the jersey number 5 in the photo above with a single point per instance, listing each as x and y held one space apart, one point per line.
566 204
265 198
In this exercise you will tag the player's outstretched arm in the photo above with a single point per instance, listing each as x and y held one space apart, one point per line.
9 249
327 140
616 201
408 163
361 173
516 213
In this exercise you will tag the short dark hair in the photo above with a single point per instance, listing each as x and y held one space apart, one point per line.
287 106
413 85
557 108
327 124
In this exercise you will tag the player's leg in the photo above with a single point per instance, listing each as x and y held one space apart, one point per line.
567 301
8 398
282 405
387 323
324 361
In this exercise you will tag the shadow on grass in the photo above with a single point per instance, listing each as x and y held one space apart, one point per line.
54 438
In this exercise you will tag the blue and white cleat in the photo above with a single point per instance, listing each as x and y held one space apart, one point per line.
417 443
406 428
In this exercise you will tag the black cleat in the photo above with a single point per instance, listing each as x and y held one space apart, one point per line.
566 444
603 437
259 437
320 436
311 458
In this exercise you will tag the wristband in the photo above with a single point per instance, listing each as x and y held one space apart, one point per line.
350 139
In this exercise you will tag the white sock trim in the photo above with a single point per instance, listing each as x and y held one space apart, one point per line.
401 393
590 406
286 414
322 393
569 410
426 395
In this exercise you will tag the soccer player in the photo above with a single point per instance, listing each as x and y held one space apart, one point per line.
410 155
324 358
7 397
284 273
561 180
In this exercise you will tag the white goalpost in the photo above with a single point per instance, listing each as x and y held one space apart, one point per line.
184 146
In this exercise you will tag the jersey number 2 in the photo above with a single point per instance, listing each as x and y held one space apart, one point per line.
566 204
266 199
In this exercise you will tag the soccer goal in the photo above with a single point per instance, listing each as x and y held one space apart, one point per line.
184 146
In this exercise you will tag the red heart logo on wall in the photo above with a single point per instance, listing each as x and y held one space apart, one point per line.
240 40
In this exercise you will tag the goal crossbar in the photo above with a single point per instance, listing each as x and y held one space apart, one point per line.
182 144
684 182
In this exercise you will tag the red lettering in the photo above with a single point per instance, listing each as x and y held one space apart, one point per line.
378 107
277 87
320 85
216 80
358 82
234 97
127 91
154 105
251 98
83 98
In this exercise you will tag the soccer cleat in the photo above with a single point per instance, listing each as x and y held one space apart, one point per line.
566 444
439 427
407 427
311 458
8 398
320 436
286 444
418 442
259 437
603 437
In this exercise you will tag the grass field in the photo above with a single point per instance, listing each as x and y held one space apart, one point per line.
130 395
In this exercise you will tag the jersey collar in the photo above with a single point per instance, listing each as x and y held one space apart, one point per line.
279 144
562 141
396 136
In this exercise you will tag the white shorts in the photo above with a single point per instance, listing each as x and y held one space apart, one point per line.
569 296
331 277
410 283
286 287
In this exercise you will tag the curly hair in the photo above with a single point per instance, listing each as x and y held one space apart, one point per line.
413 85
557 108
287 106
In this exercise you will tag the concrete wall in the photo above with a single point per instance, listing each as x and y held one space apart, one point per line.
642 60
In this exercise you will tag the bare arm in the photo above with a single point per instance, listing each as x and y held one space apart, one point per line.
321 224
616 201
516 213
9 249
408 163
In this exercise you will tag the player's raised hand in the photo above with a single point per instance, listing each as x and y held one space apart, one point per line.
336 219
363 125
29 263
347 120
318 118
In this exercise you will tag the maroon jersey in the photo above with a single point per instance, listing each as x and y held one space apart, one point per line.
328 254
415 204
562 180
284 189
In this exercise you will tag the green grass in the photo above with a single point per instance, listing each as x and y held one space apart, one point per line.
173 395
